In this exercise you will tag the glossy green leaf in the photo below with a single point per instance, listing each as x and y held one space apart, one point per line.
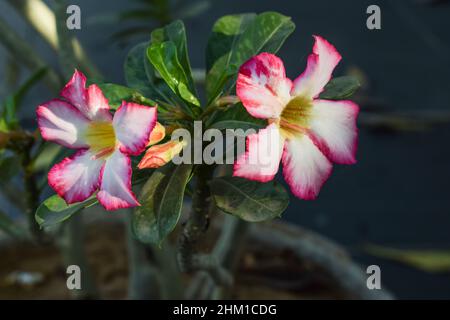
340 88
247 36
425 260
236 117
164 59
140 75
176 33
161 201
55 210
249 200
134 69
116 94
225 33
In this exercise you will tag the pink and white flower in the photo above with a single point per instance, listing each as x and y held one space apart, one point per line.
304 132
83 121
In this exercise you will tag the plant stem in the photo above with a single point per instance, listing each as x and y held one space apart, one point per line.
31 193
228 250
189 260
197 223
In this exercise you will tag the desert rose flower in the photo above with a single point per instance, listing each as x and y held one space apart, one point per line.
83 121
306 133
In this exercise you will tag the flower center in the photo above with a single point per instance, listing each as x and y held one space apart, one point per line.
294 119
101 138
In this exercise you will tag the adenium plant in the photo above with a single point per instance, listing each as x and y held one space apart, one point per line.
306 124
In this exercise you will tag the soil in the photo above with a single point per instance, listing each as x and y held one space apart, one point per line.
262 273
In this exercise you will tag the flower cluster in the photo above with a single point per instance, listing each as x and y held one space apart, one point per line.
305 133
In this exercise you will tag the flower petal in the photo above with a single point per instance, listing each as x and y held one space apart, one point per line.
333 129
319 69
98 107
75 92
262 86
159 155
76 178
305 167
62 123
261 160
158 133
115 183
133 124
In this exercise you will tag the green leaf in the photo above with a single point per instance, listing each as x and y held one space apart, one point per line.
244 36
163 57
340 88
425 260
236 117
176 33
140 75
161 202
134 69
225 33
116 94
249 200
55 210
8 117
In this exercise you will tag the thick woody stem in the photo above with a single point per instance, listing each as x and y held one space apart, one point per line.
189 259
197 223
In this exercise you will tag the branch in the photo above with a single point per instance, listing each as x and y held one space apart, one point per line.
404 121
197 223
227 251
309 246
189 260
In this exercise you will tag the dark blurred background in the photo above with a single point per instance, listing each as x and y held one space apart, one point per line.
397 195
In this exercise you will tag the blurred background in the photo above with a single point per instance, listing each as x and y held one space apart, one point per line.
397 196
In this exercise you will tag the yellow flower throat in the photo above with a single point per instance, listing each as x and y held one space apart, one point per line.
295 117
101 138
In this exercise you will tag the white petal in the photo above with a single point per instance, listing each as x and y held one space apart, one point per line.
76 178
133 124
115 183
333 128
62 123
305 167
261 160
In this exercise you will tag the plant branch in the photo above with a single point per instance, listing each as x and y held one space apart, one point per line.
227 251
189 259
311 247
197 223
